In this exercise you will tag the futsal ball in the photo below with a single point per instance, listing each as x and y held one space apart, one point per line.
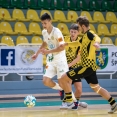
83 104
30 101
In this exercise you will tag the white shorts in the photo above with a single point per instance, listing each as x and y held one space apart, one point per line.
56 68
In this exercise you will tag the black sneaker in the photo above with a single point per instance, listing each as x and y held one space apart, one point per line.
61 94
30 77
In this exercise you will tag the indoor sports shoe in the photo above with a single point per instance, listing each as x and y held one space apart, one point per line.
83 104
71 105
64 105
61 94
75 107
30 77
113 109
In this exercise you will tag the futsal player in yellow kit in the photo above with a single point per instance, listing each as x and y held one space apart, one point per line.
73 62
87 70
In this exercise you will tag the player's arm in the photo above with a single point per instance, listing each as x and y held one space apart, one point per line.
62 45
44 45
72 44
67 44
95 38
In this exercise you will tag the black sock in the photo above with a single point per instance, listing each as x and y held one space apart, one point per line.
112 101
78 98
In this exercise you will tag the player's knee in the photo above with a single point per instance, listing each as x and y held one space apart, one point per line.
46 81
61 80
96 87
60 84
65 78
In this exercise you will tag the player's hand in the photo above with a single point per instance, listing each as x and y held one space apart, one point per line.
34 56
62 46
97 45
65 44
45 51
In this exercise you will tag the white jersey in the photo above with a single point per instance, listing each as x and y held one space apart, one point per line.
53 40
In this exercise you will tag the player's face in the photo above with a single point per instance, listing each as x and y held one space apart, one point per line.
74 34
46 24
81 28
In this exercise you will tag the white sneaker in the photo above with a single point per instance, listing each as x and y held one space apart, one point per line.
72 106
64 105
113 109
83 104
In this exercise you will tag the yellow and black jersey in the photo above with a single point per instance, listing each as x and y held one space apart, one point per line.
72 51
88 56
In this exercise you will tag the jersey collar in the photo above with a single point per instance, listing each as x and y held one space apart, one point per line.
75 40
86 31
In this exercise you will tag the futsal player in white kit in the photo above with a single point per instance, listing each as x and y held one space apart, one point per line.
56 57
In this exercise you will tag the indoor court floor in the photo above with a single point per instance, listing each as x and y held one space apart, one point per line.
50 108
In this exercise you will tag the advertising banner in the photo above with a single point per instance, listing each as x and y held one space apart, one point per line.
106 58
18 60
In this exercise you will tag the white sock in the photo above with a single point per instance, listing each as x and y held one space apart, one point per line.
74 99
57 87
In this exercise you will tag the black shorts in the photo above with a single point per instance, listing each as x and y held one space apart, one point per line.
88 74
76 79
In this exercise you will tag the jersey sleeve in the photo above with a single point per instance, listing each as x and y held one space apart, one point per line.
79 49
59 37
43 33
93 37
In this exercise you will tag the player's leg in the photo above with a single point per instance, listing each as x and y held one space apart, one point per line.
64 103
47 81
62 93
78 91
62 67
66 85
78 88
49 73
105 94
93 82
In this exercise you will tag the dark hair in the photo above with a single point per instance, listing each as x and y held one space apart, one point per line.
74 27
82 20
45 16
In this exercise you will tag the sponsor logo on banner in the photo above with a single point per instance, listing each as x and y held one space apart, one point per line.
26 56
102 58
7 57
